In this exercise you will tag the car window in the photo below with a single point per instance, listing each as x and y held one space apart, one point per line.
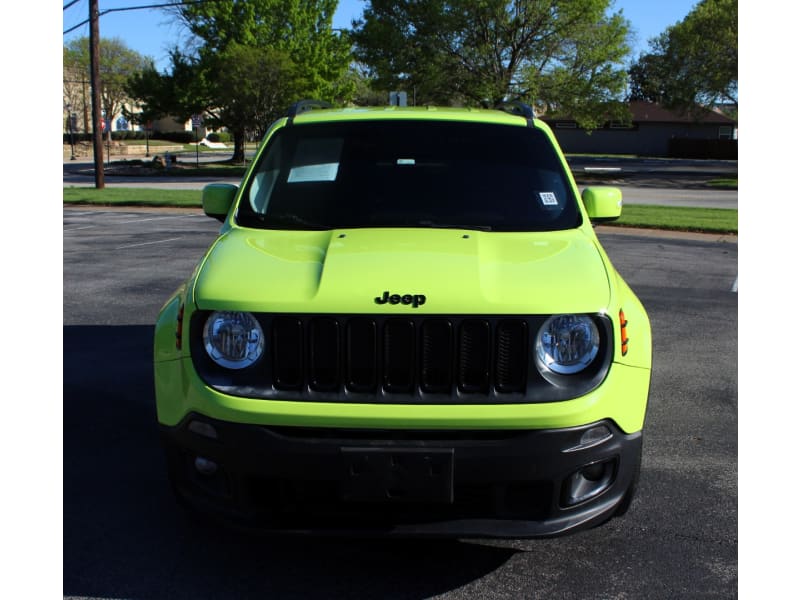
409 174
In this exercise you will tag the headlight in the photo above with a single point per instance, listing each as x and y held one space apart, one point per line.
567 344
233 340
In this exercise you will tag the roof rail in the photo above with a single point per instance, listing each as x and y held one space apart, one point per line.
302 106
517 107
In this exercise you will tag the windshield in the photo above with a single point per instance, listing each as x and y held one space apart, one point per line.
409 174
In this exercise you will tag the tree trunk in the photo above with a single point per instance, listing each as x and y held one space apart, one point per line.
238 146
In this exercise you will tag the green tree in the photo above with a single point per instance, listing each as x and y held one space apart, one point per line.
564 56
251 61
252 87
179 93
694 63
118 64
303 29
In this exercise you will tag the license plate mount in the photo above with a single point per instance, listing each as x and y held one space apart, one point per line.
397 475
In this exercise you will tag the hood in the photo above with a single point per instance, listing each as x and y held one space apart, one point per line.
433 271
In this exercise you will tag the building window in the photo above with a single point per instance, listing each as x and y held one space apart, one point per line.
726 132
566 125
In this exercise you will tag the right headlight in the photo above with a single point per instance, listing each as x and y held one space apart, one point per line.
567 344
233 340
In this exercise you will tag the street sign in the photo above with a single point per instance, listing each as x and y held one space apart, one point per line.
398 99
197 121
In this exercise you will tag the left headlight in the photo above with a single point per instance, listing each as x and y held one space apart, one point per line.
233 340
567 344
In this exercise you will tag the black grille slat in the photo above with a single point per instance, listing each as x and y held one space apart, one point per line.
324 350
398 356
473 357
436 349
511 356
287 353
361 352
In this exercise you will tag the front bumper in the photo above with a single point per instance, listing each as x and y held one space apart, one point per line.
495 483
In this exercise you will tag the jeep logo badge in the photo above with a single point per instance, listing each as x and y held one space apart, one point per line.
415 300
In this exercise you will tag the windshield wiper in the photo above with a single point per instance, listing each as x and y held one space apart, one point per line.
294 222
434 225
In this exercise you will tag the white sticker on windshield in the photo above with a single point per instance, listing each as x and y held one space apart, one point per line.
307 173
548 198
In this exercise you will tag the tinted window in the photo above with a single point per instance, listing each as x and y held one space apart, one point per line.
409 174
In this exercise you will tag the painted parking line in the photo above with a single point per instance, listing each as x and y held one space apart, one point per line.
147 243
735 286
78 228
157 219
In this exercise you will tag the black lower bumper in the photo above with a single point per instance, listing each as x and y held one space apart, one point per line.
500 483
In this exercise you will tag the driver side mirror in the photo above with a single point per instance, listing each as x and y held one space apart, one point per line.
218 199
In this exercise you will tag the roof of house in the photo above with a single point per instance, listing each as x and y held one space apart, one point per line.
655 113
649 112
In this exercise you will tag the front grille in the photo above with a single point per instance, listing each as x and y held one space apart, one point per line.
389 359
364 355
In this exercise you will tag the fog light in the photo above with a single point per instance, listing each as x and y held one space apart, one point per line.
593 472
205 466
587 482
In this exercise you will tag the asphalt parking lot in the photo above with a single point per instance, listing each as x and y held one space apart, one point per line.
125 537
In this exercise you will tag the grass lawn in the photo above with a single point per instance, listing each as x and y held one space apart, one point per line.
710 220
678 218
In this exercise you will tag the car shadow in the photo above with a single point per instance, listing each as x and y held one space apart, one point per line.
124 536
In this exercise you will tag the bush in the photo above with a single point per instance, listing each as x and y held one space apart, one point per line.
705 149
177 137
219 136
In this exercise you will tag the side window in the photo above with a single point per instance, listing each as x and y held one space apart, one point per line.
264 181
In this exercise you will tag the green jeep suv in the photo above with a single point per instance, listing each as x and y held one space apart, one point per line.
406 326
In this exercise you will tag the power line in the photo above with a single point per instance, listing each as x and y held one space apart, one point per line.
71 3
146 6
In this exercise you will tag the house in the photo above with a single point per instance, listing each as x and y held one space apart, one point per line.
653 131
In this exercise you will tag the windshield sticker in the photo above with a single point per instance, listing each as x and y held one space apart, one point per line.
548 199
304 174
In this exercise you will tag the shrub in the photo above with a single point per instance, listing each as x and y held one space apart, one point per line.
219 136
179 137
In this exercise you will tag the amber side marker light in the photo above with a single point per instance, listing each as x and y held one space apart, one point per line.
623 330
179 330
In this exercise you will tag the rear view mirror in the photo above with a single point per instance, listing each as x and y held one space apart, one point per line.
602 203
218 199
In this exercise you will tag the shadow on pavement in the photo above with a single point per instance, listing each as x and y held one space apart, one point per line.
125 537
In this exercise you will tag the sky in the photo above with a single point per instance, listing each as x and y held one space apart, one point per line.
151 32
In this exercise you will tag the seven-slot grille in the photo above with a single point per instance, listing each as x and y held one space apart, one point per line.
384 359
469 359
399 355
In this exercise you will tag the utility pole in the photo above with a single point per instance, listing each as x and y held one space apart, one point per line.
97 128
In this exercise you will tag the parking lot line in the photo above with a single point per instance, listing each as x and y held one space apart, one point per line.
146 243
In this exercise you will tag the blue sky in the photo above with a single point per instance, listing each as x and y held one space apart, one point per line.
152 32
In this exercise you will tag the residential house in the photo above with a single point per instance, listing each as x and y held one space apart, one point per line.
653 131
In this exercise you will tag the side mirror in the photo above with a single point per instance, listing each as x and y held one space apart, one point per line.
602 203
218 199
